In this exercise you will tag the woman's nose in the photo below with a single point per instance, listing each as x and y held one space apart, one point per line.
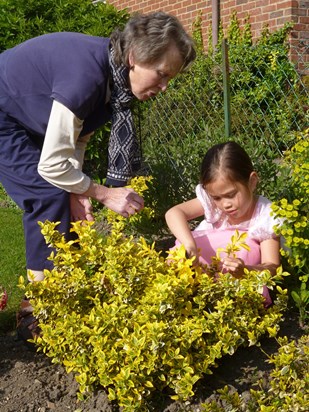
163 84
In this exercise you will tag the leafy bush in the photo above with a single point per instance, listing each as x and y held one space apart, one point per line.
293 209
20 20
285 391
119 315
259 73
268 101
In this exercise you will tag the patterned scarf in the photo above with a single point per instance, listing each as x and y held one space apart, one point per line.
123 150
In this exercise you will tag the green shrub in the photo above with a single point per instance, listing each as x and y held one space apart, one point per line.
286 389
268 101
20 20
119 315
293 209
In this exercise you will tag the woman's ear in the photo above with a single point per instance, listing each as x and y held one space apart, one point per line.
131 60
253 181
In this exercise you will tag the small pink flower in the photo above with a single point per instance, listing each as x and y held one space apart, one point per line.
3 298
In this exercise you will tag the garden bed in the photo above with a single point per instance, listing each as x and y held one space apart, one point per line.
29 382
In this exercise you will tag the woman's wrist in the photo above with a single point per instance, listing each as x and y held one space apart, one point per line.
97 192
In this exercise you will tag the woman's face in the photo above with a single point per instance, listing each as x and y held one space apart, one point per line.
234 199
148 80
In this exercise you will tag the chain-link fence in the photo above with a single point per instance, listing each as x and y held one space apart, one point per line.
259 100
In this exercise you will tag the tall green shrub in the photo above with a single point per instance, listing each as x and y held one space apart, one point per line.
293 209
21 20
267 102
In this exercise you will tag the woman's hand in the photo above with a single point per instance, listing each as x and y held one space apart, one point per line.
122 200
235 266
81 208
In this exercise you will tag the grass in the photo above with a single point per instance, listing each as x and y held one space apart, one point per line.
12 262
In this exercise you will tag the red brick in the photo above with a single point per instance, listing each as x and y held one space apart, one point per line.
262 17
262 3
282 5
299 12
247 7
229 4
281 21
186 3
269 8
304 34
299 27
304 20
256 12
276 14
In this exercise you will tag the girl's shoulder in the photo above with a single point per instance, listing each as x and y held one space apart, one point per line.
263 207
262 222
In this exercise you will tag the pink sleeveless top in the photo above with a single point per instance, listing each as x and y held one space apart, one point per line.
215 232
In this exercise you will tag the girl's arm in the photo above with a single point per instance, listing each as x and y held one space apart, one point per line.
177 220
270 255
270 259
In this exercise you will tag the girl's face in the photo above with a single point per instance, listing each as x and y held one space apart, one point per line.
148 80
234 199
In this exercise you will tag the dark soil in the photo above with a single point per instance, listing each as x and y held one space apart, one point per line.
29 382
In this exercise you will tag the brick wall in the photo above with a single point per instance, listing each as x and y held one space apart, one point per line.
272 12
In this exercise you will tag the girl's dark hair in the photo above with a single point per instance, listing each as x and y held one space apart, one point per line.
148 37
229 159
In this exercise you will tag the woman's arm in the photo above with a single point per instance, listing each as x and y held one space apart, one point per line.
177 220
59 149
270 259
60 164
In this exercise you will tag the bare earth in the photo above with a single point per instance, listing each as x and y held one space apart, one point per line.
29 382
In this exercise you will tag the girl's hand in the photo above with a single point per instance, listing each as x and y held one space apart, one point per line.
81 208
191 252
235 266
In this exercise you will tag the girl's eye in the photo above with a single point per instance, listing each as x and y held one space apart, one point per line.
161 74
228 196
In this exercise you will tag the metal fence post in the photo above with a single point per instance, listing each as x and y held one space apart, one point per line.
226 89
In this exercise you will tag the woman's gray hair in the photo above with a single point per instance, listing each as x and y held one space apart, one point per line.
149 36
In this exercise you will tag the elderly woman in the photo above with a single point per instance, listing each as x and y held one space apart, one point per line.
55 91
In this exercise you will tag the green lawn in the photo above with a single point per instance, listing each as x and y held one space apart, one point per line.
12 262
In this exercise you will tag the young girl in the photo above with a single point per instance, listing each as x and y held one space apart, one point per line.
227 200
